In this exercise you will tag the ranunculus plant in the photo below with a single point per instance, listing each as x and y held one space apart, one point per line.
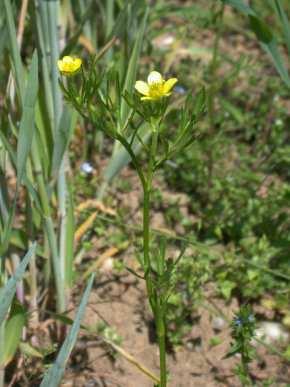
98 99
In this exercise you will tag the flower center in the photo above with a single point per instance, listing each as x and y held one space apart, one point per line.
156 89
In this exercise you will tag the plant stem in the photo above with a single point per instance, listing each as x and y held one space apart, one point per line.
155 296
146 227
161 330
155 299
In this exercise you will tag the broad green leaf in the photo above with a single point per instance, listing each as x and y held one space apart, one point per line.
8 291
13 333
27 120
226 288
54 375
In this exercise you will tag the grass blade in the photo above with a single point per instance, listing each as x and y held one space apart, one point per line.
284 21
27 126
264 35
55 373
7 293
62 137
132 68
17 64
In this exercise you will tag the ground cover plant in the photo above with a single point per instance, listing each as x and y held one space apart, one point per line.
144 193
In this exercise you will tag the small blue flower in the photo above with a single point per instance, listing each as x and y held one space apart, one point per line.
238 322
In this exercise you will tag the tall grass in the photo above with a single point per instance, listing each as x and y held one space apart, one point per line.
35 137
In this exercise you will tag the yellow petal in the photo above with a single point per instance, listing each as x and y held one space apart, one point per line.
147 99
154 77
142 87
69 65
77 63
168 85
67 59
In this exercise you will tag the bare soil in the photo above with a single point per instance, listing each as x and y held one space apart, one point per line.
122 304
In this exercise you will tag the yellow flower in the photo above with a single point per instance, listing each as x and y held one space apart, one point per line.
156 87
69 65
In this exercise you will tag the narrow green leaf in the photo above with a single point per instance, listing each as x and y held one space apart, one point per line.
199 102
121 21
132 68
17 64
240 6
7 293
261 30
62 137
277 59
54 375
26 181
233 110
69 248
27 120
284 21
265 37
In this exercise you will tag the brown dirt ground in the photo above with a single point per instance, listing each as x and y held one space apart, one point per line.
120 301
122 304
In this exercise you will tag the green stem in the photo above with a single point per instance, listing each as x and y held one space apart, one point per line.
155 296
153 293
161 333
245 369
147 188
134 159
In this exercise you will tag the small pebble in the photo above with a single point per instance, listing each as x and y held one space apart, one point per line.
108 266
272 332
87 168
218 323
